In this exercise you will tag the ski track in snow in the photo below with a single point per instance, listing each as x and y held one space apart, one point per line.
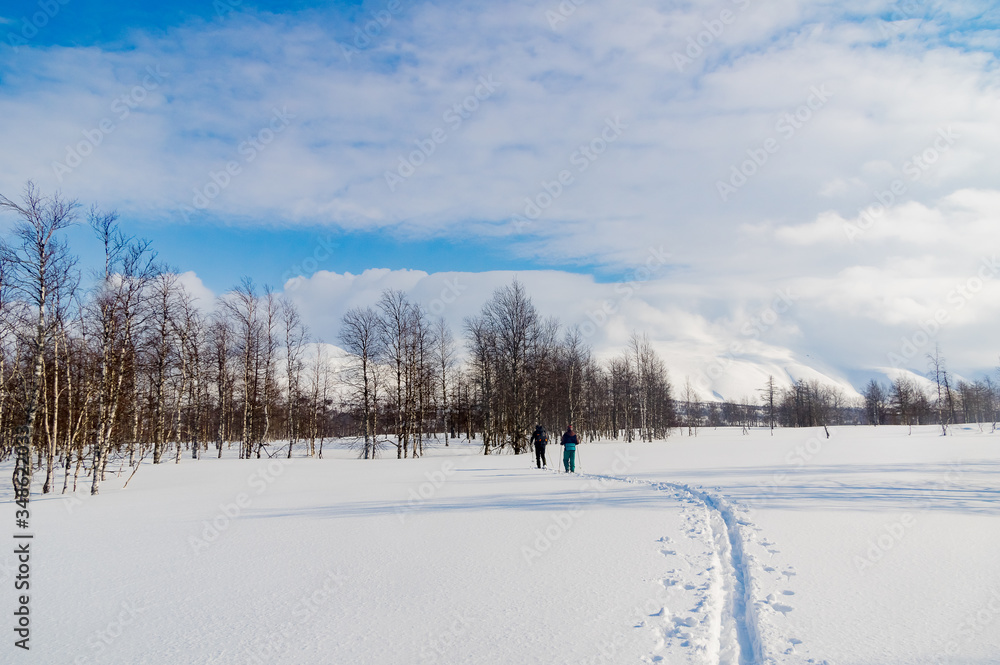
742 624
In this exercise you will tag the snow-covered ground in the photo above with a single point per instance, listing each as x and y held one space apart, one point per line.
873 546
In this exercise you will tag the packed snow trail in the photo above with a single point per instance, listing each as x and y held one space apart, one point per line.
737 632
730 548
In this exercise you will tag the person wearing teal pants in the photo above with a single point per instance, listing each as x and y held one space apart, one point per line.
569 442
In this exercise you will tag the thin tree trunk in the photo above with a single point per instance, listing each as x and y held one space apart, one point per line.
25 433
69 463
53 430
79 463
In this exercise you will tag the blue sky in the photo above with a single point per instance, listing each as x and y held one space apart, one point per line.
675 165
221 254
111 24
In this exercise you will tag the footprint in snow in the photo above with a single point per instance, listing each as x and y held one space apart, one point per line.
668 552
784 609
686 622
788 593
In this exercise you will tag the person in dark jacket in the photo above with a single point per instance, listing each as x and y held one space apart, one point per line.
540 438
569 442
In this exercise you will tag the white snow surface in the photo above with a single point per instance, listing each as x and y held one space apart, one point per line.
876 545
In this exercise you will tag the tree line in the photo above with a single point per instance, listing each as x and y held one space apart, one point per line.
942 401
522 369
129 366
98 375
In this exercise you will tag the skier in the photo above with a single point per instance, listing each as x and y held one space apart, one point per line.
540 438
569 442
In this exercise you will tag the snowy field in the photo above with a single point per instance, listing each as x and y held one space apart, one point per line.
873 546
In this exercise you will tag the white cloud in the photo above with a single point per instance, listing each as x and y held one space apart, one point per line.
726 355
204 298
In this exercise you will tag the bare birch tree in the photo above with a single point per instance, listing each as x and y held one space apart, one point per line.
362 338
295 336
38 269
128 269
